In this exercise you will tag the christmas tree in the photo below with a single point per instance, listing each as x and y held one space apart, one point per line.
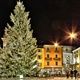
19 47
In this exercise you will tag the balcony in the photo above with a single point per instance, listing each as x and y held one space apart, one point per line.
48 58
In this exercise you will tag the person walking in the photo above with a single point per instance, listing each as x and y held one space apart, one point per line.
71 74
75 73
67 74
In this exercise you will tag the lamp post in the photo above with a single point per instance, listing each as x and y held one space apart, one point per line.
72 36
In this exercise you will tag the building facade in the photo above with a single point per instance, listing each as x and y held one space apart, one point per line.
40 57
76 53
50 57
55 58
67 57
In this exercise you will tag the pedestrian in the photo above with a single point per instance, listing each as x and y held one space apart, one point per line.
75 73
71 74
59 73
67 74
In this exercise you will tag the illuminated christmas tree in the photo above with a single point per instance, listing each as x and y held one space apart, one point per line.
19 47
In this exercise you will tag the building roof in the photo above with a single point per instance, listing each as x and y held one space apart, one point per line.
76 49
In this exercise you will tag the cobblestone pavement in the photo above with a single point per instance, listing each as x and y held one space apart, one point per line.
50 78
56 78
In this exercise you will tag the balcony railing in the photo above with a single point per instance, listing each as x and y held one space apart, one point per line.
56 58
48 58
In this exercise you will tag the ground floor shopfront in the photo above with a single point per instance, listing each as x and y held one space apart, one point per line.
53 71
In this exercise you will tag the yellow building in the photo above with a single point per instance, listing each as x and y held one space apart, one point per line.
50 57
40 57
76 53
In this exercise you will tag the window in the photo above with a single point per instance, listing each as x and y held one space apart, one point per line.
56 56
47 63
47 55
56 63
48 50
56 50
76 51
40 64
76 55
39 57
66 50
39 50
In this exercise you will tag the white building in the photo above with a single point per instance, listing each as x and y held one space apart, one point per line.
67 55
76 53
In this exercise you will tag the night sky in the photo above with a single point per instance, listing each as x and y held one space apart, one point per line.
49 18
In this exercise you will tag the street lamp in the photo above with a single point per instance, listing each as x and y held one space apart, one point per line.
56 44
72 35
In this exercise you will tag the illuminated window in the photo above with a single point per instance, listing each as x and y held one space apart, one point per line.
39 57
56 63
47 50
47 55
39 50
47 63
40 64
56 56
56 50
76 55
76 51
67 50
